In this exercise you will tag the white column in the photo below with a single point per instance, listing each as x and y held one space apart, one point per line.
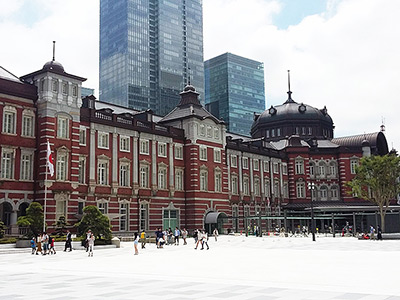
171 166
135 162
154 163
92 156
114 179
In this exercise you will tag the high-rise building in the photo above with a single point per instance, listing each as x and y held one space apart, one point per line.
234 90
149 50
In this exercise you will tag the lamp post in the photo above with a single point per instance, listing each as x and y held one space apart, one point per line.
311 187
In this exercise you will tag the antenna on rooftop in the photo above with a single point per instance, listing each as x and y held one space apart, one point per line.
289 92
54 50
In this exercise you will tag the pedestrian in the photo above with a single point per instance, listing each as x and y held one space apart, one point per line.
184 235
170 234
177 233
39 244
143 239
68 241
91 244
215 233
88 236
379 230
52 250
204 240
199 238
195 235
136 242
33 245
371 232
45 243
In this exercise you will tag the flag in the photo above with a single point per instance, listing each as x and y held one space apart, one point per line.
50 160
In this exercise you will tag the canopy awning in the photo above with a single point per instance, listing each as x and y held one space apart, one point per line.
212 217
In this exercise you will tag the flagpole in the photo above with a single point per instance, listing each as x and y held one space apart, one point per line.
45 190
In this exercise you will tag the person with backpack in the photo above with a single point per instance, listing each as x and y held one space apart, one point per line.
33 245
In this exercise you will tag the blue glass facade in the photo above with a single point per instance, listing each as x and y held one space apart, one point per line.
234 90
148 50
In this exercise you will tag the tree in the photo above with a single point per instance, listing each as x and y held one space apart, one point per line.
377 180
33 219
94 220
2 229
61 226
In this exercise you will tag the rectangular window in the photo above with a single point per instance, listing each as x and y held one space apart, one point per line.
75 91
102 172
276 167
27 125
218 182
216 133
55 86
162 178
353 165
203 180
124 174
255 164
285 190
124 143
245 163
178 152
144 216
257 187
203 153
144 176
82 136
300 189
123 219
81 172
217 155
7 164
62 128
179 180
234 161
162 149
61 208
170 219
266 166
9 122
62 163
246 186
103 207
80 208
299 167
144 147
284 168
103 140
26 166
65 88
267 187
234 185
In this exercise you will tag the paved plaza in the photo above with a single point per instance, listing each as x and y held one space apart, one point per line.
235 267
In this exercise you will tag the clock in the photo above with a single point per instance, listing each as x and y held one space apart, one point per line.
302 108
272 111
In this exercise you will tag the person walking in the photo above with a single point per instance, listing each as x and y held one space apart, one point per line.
204 240
38 244
136 242
177 233
45 243
372 232
195 235
379 230
33 245
199 238
68 241
88 235
143 239
91 244
184 235
215 233
52 250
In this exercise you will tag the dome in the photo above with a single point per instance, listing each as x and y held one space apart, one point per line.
54 66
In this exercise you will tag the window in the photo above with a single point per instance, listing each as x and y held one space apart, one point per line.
245 163
332 169
124 143
272 132
144 176
103 140
300 190
255 164
312 169
65 88
323 193
74 91
9 120
28 124
61 207
334 193
170 219
267 187
278 132
277 192
82 136
80 208
144 147
123 219
234 185
275 167
321 169
162 149
55 86
353 165
26 166
178 152
217 155
285 190
62 127
103 207
202 130
81 172
179 180
218 181
257 187
266 166
203 180
209 132
284 168
309 131
62 164
203 153
102 172
299 166
162 178
7 163
124 174
144 216
267 133
234 161
216 133
246 190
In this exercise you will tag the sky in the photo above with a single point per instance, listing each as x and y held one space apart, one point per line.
342 54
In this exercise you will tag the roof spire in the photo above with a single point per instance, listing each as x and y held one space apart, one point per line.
54 50
188 76
289 100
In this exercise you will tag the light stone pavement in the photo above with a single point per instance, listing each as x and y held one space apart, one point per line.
234 268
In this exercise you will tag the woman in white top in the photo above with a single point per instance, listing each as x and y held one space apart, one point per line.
136 242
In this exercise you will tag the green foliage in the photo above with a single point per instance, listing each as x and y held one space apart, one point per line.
2 229
94 220
8 241
377 180
33 219
61 226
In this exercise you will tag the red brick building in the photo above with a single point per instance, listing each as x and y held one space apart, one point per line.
184 169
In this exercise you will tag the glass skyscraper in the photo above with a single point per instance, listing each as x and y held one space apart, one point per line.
234 90
149 50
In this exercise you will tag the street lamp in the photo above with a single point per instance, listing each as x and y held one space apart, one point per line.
311 187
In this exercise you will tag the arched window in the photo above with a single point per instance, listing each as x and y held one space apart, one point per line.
323 193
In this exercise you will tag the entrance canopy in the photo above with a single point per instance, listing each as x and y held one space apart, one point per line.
212 217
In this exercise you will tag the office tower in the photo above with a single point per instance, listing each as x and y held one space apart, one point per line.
149 49
234 90
86 92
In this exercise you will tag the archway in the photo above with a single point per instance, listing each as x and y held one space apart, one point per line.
215 220
22 209
5 213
